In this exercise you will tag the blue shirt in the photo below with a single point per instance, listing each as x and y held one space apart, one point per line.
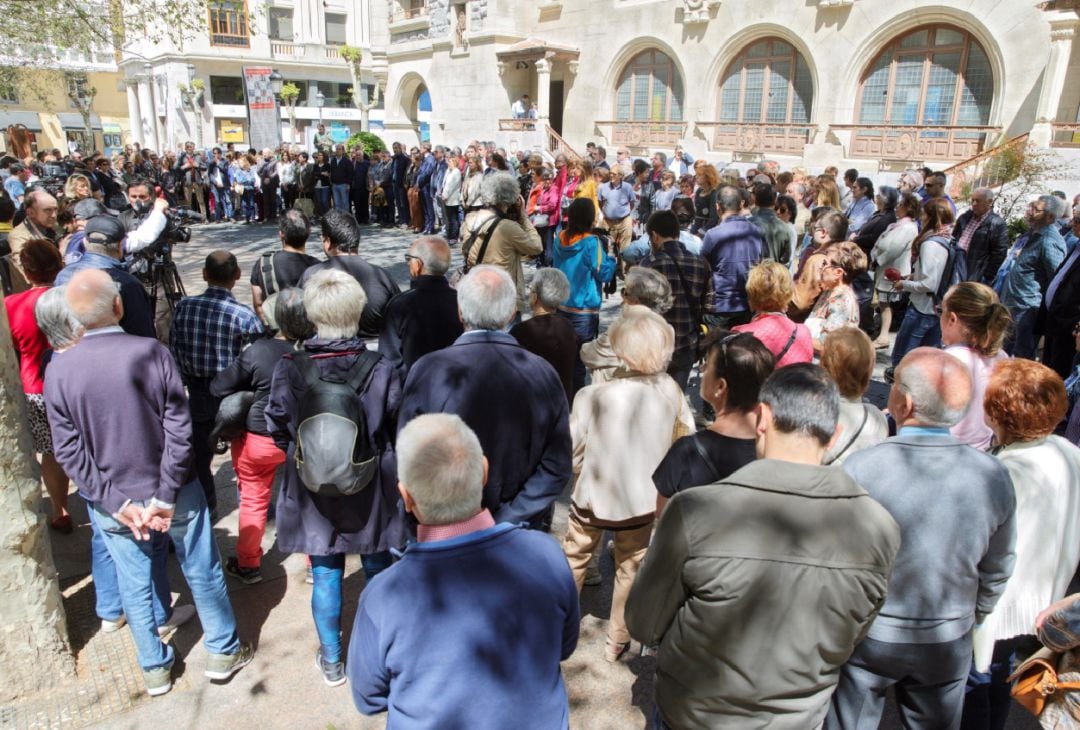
16 189
859 212
208 332
616 202
1028 268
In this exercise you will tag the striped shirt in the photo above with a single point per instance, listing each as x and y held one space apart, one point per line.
208 332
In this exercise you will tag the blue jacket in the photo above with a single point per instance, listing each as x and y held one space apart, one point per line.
437 177
138 309
515 403
732 248
1037 256
427 169
579 263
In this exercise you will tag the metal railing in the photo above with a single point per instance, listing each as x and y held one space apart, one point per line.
988 169
641 135
557 145
916 143
1065 135
759 138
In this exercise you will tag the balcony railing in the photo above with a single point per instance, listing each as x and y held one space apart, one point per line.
408 11
1065 135
517 125
914 143
641 135
557 145
282 49
332 53
759 138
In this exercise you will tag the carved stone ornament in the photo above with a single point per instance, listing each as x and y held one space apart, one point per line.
479 10
439 14
698 11
834 3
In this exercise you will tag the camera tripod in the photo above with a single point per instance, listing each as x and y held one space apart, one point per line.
164 281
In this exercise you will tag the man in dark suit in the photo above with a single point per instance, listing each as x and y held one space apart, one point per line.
512 399
983 235
360 169
424 318
1061 311
341 177
397 177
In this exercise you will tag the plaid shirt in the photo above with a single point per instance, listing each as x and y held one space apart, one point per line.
691 290
969 231
207 332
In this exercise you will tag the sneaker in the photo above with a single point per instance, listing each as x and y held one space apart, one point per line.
111 627
248 576
224 666
333 673
180 616
158 681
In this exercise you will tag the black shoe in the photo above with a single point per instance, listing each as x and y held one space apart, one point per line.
248 576
333 673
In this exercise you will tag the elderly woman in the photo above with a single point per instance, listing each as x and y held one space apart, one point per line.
735 367
1024 402
769 289
849 357
325 527
41 262
245 179
643 287
512 238
255 457
76 188
546 334
621 430
825 229
836 306
911 182
973 328
579 254
893 251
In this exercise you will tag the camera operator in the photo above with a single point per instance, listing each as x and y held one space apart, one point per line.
145 220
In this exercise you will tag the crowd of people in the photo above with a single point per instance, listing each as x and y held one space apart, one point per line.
787 550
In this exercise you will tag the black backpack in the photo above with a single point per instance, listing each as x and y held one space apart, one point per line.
955 270
334 455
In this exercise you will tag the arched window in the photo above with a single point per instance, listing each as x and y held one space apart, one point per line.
649 90
930 77
768 82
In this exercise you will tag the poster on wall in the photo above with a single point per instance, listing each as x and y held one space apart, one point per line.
264 121
339 133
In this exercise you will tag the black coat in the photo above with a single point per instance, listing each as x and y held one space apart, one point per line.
377 284
341 171
252 371
418 321
987 248
873 228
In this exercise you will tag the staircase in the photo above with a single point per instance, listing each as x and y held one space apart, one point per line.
556 145
990 168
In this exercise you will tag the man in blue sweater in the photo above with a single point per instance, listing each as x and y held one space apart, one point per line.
956 509
125 440
469 627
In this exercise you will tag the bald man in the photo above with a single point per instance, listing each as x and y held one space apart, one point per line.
955 506
125 439
40 222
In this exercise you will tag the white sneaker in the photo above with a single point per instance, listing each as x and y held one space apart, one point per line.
111 627
180 615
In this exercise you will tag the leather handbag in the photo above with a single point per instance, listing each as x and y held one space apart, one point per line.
1036 682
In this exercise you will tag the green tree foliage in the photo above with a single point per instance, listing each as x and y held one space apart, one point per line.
371 142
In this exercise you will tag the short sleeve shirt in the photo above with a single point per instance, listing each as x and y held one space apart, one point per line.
683 467
289 267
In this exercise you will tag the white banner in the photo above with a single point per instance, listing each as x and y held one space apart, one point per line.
264 126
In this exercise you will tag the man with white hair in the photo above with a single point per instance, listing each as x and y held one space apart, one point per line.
511 398
424 318
956 555
983 236
126 441
469 627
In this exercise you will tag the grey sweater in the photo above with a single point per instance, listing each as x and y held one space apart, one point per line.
956 509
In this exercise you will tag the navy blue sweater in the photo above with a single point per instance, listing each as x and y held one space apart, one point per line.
468 633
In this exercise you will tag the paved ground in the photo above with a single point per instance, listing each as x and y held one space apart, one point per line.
282 688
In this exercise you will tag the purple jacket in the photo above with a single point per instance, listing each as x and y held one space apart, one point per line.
366 522
122 437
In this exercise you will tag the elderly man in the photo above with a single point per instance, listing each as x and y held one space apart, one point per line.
126 441
40 222
797 191
419 638
424 318
341 175
191 168
512 399
1022 279
681 162
323 141
731 248
755 572
15 184
983 236
278 270
955 559
341 243
208 332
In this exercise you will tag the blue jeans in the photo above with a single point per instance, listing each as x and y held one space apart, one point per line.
429 209
917 330
247 204
587 327
106 586
197 552
453 223
1024 341
322 200
222 203
341 196
326 573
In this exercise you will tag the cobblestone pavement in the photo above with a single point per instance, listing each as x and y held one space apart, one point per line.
282 688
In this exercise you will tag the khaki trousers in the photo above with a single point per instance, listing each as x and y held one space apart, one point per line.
630 546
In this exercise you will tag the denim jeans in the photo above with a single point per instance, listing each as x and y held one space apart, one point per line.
326 573
197 552
453 223
917 330
222 203
108 606
247 204
587 327
429 210
341 196
547 235
1024 341
322 200
204 408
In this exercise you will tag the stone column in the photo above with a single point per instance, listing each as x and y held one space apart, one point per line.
1062 30
134 117
148 115
34 651
543 88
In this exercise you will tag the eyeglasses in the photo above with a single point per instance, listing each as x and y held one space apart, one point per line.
410 257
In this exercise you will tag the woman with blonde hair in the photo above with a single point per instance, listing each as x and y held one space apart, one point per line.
643 407
586 187
827 193
848 356
769 289
76 188
973 328
837 306
706 215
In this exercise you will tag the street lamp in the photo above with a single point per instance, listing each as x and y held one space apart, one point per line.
276 81
190 73
320 99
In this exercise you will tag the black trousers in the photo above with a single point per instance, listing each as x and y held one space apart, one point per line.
204 408
361 209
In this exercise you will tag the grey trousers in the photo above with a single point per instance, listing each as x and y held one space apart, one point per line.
928 679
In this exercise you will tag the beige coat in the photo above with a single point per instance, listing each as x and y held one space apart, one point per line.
511 242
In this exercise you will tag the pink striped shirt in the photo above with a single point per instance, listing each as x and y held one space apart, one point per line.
433 533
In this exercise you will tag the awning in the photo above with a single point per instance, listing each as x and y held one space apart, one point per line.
30 120
74 121
533 49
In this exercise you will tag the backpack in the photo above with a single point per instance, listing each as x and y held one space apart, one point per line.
955 270
269 276
334 455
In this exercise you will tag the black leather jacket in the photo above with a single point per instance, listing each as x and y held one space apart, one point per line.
987 248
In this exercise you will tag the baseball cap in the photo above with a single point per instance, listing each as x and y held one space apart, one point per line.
103 230
87 208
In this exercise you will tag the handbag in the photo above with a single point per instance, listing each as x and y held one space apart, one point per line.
305 206
1038 686
540 220
238 188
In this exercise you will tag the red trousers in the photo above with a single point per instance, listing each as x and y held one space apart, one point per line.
255 458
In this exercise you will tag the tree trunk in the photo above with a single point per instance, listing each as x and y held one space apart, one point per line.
34 650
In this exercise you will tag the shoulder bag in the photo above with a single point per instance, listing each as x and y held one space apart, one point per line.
1039 685
457 274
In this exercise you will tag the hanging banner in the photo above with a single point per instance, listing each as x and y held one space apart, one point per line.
264 121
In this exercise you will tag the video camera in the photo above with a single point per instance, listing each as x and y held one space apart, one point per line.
53 177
